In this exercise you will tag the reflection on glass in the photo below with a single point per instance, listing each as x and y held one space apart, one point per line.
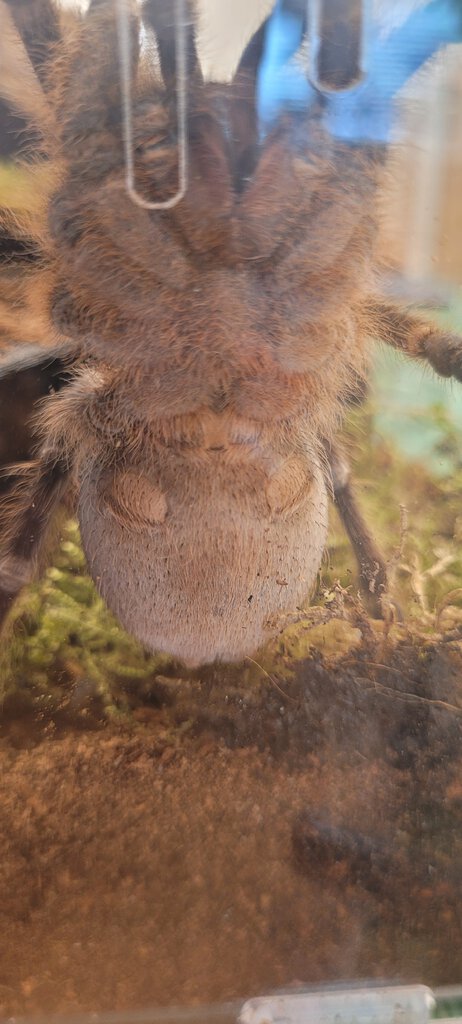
230 736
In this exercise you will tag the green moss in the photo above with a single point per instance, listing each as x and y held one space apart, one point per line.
332 639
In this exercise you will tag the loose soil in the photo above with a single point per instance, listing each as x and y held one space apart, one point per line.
221 843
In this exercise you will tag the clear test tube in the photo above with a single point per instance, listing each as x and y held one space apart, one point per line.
126 85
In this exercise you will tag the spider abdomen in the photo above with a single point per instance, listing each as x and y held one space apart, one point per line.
195 557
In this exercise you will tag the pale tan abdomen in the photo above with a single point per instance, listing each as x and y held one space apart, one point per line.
194 559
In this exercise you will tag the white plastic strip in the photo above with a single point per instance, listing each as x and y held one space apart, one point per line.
123 30
403 1004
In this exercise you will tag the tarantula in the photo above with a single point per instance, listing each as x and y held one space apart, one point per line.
208 350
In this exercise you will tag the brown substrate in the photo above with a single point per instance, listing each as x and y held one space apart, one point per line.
224 842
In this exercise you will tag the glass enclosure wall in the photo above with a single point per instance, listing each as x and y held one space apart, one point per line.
230 516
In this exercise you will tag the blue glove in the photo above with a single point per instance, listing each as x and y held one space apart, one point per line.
365 112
